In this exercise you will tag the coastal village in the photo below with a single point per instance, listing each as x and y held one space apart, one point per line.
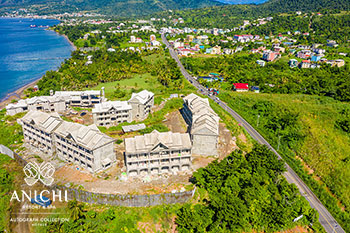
164 109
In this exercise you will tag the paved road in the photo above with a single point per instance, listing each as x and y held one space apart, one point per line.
325 218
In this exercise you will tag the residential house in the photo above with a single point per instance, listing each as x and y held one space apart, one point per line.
270 56
255 89
304 54
338 62
332 43
260 63
241 87
216 50
293 63
305 64
316 58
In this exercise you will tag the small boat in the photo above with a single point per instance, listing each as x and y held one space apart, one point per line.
33 26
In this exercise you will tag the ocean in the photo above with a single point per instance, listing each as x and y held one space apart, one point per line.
26 52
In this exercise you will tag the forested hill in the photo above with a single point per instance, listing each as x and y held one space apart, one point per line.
228 16
304 5
110 7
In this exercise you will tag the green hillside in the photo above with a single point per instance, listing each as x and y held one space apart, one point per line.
229 16
109 7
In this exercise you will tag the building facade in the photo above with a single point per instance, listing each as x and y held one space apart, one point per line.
157 153
111 113
83 145
80 98
203 125
38 128
141 104
43 103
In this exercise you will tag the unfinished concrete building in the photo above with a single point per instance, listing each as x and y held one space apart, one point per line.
141 104
203 125
43 103
111 113
38 128
80 98
84 145
157 153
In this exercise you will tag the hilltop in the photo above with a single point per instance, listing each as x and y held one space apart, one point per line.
114 7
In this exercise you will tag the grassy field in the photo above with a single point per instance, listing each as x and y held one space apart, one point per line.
321 149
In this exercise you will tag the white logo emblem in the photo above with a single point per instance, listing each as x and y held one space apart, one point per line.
34 172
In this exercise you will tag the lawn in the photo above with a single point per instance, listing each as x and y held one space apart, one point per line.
138 82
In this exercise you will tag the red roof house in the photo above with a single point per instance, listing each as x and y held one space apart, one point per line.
241 87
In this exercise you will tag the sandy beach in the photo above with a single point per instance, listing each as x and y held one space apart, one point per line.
19 93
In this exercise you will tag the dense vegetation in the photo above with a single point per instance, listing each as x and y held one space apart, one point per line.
233 15
311 135
245 192
93 218
242 67
109 67
6 185
114 7
321 28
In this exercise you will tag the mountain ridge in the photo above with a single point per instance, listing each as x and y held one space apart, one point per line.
110 7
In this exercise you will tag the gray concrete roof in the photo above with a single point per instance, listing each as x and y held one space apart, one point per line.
77 93
89 137
132 128
204 119
141 97
106 106
35 100
150 142
47 122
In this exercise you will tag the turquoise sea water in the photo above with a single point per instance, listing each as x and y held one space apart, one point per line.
27 53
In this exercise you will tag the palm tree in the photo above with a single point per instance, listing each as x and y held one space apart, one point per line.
76 210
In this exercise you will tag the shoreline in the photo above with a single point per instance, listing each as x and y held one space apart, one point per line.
19 93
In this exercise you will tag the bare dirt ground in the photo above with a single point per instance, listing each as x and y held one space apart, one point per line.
112 181
82 117
227 143
175 122
113 185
